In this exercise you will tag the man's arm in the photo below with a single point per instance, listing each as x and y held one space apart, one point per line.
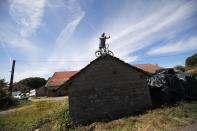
108 37
102 37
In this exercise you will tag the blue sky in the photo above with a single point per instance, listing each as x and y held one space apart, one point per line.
45 36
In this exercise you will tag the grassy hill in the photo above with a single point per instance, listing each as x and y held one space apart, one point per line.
53 115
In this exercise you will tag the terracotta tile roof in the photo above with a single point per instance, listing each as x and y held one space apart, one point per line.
59 78
20 87
150 68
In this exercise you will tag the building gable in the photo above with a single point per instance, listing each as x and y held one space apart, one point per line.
59 78
107 88
107 58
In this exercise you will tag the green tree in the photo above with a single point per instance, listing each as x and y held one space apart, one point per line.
3 83
5 99
3 86
180 67
33 82
192 60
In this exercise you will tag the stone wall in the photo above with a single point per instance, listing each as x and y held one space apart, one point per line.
41 91
107 89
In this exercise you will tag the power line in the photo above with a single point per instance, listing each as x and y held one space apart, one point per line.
88 60
75 60
19 60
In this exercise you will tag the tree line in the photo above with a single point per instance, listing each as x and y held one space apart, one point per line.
190 63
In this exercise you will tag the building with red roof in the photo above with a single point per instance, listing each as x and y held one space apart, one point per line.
53 84
150 68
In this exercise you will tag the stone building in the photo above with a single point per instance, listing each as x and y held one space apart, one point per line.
107 88
41 91
20 87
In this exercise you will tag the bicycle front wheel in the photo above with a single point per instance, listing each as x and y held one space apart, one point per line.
110 53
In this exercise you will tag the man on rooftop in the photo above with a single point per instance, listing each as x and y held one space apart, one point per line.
103 40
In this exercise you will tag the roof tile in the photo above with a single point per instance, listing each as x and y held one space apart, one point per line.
150 68
59 78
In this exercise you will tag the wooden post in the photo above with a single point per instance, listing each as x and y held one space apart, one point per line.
12 77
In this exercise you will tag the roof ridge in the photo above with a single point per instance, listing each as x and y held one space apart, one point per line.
107 55
145 64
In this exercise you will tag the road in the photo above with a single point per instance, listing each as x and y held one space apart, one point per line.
49 98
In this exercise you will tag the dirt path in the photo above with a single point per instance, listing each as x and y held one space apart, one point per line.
34 100
49 98
192 127
15 109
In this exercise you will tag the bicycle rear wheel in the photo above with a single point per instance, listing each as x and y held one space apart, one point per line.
98 53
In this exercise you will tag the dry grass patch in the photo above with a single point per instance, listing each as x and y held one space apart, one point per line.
31 117
54 116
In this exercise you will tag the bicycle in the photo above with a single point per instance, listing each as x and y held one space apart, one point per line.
104 51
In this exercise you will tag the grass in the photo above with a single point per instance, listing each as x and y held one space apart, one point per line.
22 103
161 119
61 121
31 117
54 116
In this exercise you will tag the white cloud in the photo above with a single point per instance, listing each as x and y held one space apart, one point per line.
159 24
178 47
128 39
76 14
128 36
67 32
15 33
12 39
27 14
55 3
28 17
6 51
130 58
30 72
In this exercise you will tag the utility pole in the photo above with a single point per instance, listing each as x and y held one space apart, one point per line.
12 76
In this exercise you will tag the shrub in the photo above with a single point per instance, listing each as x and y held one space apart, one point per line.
5 99
192 60
180 67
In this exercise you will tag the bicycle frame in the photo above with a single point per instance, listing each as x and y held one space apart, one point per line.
103 51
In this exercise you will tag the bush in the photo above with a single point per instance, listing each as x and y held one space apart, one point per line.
5 99
192 60
180 67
